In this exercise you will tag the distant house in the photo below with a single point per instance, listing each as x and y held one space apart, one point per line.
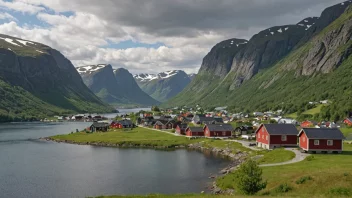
270 136
125 123
97 118
308 124
218 130
195 132
171 124
243 130
97 126
148 121
161 124
348 121
287 121
258 113
324 101
321 140
201 119
181 129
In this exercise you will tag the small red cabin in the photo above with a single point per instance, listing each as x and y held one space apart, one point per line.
115 125
181 129
348 121
320 140
195 132
218 130
270 136
308 124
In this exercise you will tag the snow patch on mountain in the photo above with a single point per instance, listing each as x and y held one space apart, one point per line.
150 77
10 41
90 68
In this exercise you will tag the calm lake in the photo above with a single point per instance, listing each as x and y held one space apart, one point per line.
33 168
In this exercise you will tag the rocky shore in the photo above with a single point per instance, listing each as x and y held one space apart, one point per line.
236 157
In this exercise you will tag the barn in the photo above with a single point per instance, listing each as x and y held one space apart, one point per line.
195 132
218 130
181 129
321 140
270 136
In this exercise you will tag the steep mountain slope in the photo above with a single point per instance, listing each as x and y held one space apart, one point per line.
131 89
116 87
316 69
164 85
35 72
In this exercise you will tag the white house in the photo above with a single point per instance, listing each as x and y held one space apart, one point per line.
258 113
288 121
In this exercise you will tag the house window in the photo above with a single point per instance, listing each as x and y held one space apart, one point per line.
266 137
284 138
330 142
223 133
316 142
304 139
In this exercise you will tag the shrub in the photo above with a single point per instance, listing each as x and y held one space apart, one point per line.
302 180
340 191
283 188
249 178
346 174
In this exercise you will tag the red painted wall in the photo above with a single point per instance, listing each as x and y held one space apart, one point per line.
217 133
190 133
349 123
306 124
303 141
276 139
262 134
323 144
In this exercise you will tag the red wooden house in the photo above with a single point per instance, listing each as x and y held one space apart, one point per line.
218 130
321 140
308 124
195 132
181 129
348 121
115 125
270 136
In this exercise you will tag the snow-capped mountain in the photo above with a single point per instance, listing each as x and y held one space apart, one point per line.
150 77
116 87
164 85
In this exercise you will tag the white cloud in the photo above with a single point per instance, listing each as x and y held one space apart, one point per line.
187 28
6 15
21 6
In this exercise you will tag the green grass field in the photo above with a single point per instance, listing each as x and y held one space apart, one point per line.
331 176
276 156
312 112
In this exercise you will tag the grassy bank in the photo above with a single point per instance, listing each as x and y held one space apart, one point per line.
175 196
321 175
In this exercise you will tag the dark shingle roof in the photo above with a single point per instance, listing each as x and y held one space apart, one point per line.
183 126
125 122
281 129
163 122
100 124
323 133
206 119
220 127
196 129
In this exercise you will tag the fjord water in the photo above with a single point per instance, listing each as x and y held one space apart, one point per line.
33 168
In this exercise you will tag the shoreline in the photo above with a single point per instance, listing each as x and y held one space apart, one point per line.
235 159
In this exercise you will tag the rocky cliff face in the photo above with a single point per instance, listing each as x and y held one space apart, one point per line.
45 73
164 85
116 87
309 49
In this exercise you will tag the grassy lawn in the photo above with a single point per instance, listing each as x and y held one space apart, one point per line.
276 156
331 176
313 111
346 131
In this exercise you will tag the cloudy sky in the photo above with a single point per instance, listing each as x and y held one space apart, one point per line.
146 36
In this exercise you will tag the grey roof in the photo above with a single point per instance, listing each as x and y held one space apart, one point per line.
281 129
125 122
196 129
323 133
163 122
100 124
218 119
220 127
206 119
182 126
350 119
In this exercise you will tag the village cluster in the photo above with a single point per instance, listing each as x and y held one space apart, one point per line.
267 129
